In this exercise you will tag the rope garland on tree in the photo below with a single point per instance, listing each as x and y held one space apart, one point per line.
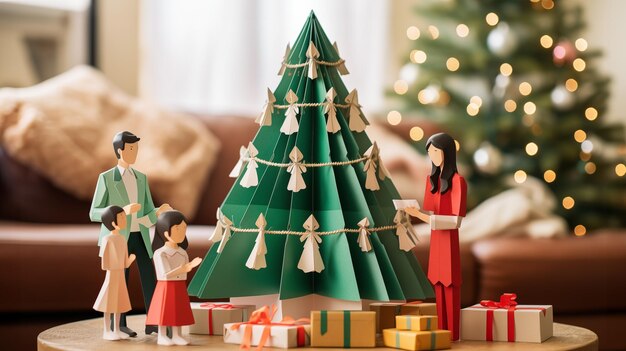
312 61
373 167
310 259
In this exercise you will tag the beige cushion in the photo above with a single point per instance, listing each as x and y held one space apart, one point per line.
64 128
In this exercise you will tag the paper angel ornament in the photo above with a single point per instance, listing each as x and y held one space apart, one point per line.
374 168
296 182
356 120
312 54
283 66
407 238
250 178
256 260
332 124
311 260
342 66
265 118
222 230
364 233
243 155
290 125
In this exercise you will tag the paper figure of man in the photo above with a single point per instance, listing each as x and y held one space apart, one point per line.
128 188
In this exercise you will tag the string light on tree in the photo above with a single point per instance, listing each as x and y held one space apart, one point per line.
416 133
579 64
492 19
462 30
620 169
428 95
394 117
530 108
525 88
580 230
591 113
434 32
452 64
418 56
586 146
413 33
532 149
506 69
502 41
580 135
401 87
488 159
568 202
581 44
520 176
571 85
546 41
562 98
547 4
510 105
549 176
590 168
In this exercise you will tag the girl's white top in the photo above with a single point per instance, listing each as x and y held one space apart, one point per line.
166 259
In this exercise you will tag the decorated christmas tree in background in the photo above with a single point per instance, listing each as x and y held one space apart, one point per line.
514 82
311 211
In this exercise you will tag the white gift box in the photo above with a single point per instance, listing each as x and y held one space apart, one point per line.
281 336
532 323
213 315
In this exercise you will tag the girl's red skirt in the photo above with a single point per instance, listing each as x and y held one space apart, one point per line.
170 304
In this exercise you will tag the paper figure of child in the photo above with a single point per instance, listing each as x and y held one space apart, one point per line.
113 297
170 303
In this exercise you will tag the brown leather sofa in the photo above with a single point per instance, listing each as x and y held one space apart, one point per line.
49 267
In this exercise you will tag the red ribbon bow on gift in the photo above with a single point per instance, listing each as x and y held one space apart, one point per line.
210 306
264 316
507 301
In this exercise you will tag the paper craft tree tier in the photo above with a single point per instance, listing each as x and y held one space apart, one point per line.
311 211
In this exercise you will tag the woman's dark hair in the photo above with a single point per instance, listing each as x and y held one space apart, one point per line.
109 216
448 168
164 223
120 139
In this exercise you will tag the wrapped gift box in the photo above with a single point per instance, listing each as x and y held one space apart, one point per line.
343 329
521 323
417 323
280 336
417 340
386 313
210 317
419 308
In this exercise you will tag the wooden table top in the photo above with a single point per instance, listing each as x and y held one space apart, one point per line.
87 335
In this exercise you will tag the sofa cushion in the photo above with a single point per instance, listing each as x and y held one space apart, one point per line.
575 274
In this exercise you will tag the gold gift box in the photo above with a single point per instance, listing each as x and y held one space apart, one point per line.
417 323
343 329
419 309
417 340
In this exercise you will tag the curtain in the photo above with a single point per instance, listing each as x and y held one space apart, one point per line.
218 57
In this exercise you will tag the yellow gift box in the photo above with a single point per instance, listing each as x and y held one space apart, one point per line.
343 329
418 323
418 308
417 340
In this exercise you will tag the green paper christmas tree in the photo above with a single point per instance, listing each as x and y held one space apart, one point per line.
311 211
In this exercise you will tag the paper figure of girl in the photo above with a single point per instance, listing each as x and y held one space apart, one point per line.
170 303
444 203
113 297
